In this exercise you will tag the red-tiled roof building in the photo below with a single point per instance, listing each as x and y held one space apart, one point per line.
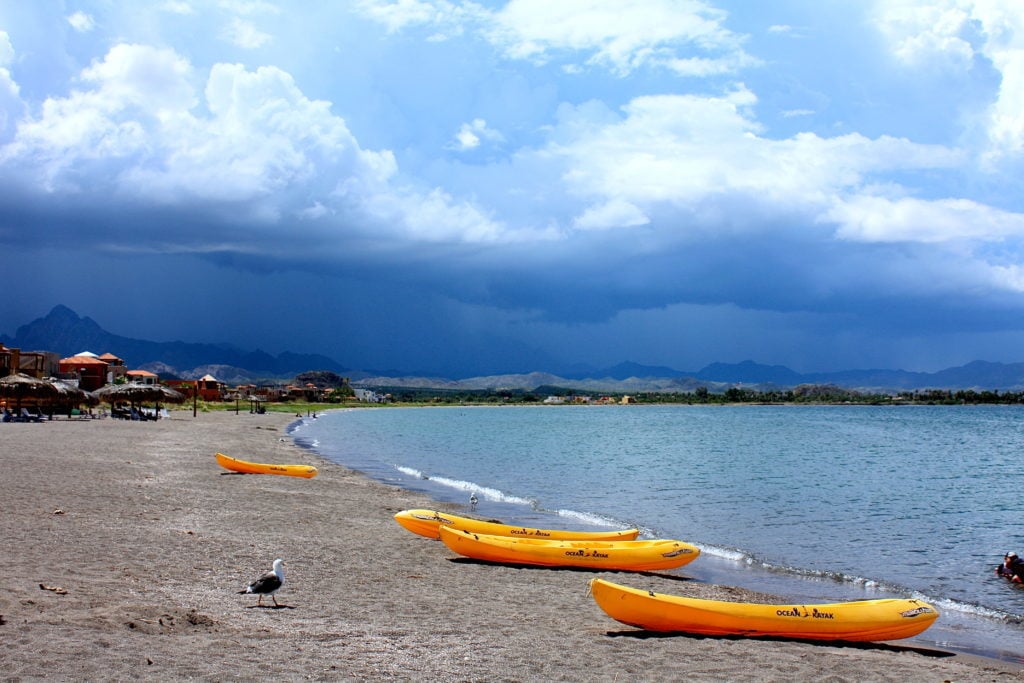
91 372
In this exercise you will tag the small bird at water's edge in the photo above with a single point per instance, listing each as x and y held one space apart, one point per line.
268 584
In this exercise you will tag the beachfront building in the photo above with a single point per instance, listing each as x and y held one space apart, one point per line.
242 392
207 387
370 396
90 371
309 392
142 377
210 388
8 360
185 387
116 369
269 392
37 364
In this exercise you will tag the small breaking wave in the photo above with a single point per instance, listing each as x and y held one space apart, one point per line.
494 495
416 474
485 492
724 553
861 584
591 519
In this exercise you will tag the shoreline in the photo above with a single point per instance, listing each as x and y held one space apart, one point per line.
151 540
962 629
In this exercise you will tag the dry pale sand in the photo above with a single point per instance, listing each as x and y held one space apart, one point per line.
124 546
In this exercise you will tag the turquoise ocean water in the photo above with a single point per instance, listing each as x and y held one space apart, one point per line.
815 503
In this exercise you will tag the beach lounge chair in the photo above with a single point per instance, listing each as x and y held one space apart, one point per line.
30 417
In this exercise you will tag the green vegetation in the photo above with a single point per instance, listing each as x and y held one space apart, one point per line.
335 385
804 394
801 395
293 407
318 390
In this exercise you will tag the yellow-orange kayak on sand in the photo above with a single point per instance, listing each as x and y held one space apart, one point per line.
427 522
245 467
637 556
862 620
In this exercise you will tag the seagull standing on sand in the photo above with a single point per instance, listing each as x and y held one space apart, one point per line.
268 584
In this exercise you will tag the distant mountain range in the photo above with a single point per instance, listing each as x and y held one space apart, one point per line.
64 332
979 376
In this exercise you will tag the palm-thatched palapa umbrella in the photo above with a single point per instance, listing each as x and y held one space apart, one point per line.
20 385
133 393
70 395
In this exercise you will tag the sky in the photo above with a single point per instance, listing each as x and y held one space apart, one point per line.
465 188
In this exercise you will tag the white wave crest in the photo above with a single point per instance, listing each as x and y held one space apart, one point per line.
484 492
965 608
724 553
411 472
591 519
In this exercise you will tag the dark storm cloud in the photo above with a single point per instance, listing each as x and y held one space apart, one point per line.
624 188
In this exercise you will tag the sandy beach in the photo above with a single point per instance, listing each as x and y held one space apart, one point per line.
125 546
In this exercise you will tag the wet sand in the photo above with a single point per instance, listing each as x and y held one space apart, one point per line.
125 546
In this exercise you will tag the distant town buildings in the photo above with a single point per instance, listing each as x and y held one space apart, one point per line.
89 371
370 396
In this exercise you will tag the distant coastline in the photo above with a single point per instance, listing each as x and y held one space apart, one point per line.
806 395
65 332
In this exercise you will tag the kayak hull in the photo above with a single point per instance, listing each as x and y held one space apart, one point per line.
610 555
862 620
427 523
246 467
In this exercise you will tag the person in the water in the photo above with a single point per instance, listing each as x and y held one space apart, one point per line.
1012 568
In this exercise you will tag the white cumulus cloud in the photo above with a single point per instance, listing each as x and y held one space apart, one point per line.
81 22
447 17
618 35
621 35
471 134
682 150
11 106
141 128
177 7
6 49
614 213
950 34
245 34
868 218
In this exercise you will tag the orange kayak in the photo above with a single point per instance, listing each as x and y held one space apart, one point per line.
245 467
636 556
427 523
862 620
